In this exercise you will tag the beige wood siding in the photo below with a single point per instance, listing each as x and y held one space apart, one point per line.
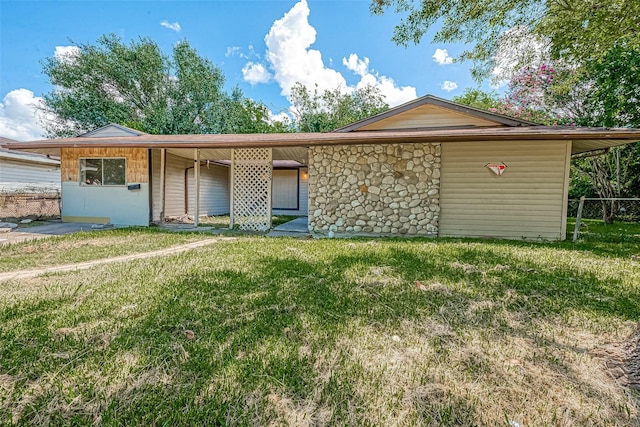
174 203
527 201
428 116
155 185
214 190
214 187
285 189
303 197
174 184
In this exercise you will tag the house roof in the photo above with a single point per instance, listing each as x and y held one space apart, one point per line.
584 139
112 129
4 141
426 119
387 119
23 156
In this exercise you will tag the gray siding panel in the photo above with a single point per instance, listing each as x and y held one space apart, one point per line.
19 173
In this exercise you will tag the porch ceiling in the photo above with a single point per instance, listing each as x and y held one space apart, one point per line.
299 154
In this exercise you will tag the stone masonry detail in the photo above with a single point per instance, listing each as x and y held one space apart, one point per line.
374 189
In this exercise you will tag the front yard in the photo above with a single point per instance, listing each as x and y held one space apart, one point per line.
264 331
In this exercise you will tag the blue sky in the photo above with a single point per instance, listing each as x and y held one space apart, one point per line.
262 46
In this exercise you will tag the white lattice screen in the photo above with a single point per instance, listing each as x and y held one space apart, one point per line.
251 189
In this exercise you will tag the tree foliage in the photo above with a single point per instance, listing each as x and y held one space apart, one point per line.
324 111
613 100
577 30
605 93
138 86
479 99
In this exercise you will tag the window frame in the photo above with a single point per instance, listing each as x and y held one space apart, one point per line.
84 184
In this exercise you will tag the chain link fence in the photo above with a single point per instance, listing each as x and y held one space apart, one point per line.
607 210
34 202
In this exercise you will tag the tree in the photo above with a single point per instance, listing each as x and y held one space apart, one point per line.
331 109
479 99
576 30
613 101
603 94
138 86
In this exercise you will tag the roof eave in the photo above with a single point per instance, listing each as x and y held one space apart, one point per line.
318 139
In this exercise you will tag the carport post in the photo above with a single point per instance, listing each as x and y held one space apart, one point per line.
163 177
231 190
196 210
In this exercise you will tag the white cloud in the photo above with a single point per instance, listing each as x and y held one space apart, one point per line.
19 117
288 53
232 50
448 85
357 65
393 94
441 56
255 73
292 60
282 117
175 26
66 53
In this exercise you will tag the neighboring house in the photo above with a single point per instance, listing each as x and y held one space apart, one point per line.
21 171
429 167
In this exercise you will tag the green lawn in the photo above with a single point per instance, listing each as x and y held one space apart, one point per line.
264 331
89 245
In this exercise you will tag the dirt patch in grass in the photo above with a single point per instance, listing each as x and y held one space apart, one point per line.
622 360
83 246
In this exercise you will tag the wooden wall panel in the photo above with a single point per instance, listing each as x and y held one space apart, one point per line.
526 202
427 116
137 161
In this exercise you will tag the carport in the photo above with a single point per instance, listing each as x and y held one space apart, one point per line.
250 180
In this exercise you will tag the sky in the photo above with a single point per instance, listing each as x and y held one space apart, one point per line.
262 46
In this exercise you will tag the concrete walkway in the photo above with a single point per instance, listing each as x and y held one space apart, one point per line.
40 231
298 227
24 274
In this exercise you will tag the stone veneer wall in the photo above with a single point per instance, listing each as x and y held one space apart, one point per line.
376 189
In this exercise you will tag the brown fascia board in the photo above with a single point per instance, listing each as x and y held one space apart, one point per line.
331 138
439 102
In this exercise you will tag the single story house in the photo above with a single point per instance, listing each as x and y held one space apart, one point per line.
429 167
21 171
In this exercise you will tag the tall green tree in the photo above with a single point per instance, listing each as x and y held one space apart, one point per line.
137 85
316 111
479 99
577 30
613 100
602 94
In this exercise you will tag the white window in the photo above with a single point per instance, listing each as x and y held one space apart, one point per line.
107 171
